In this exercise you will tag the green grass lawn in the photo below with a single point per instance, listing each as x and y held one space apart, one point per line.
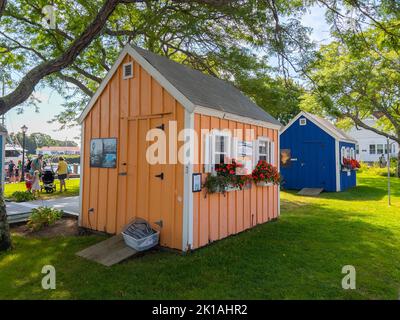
300 256
72 189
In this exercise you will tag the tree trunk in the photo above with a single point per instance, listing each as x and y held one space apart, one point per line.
398 165
5 237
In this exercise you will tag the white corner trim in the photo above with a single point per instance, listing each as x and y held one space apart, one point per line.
81 173
2 167
186 103
230 116
337 164
187 232
279 170
318 124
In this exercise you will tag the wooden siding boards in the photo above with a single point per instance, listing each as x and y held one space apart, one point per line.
123 110
114 197
216 216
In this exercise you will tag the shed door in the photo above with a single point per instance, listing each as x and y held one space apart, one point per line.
313 165
152 182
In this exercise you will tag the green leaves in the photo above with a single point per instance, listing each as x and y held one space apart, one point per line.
358 77
216 40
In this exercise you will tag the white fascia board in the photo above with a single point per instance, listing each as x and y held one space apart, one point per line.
318 124
234 117
185 102
181 98
103 85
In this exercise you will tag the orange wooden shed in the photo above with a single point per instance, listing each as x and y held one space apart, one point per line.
144 91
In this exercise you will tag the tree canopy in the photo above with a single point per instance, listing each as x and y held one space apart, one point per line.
211 36
37 140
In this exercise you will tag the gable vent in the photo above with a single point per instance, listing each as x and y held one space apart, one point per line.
127 70
303 121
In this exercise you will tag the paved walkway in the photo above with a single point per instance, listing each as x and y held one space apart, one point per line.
69 205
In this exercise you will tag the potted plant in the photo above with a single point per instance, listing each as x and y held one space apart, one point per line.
265 174
350 164
225 179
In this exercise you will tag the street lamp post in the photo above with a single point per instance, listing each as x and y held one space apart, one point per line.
389 148
24 128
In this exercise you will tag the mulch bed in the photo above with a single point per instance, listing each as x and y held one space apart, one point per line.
64 227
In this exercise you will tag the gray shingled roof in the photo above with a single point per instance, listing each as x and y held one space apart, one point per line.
340 133
204 90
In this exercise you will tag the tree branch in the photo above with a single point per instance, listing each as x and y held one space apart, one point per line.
87 74
2 6
32 78
361 124
76 82
27 84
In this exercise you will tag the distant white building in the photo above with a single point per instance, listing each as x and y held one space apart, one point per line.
58 151
371 145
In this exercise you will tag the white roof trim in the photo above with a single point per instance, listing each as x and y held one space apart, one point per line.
234 117
186 103
318 124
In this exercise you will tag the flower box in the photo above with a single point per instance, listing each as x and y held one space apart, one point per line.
231 188
264 184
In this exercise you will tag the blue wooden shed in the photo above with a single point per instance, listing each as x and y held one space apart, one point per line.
314 154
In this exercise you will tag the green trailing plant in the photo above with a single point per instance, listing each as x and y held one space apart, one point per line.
22 196
216 183
42 217
225 177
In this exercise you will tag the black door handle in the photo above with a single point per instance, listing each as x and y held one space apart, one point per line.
161 175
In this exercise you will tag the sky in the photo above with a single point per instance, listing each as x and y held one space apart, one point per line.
51 101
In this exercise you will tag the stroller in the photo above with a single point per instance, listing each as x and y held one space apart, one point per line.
48 181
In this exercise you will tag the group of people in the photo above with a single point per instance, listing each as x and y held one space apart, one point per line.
14 171
33 171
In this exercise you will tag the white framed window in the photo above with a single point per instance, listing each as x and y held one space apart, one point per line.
342 154
220 148
379 148
127 70
372 149
352 153
303 121
347 153
217 149
264 150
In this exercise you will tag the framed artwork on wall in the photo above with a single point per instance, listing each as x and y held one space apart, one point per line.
103 153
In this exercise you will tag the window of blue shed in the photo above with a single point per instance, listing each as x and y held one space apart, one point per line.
303 121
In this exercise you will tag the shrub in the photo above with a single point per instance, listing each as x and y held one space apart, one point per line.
42 217
22 196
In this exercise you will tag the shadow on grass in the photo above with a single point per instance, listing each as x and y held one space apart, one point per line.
300 256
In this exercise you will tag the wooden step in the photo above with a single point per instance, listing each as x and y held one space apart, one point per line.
310 191
108 252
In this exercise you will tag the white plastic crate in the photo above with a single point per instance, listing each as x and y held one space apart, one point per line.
140 236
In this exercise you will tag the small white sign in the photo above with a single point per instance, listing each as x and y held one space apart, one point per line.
244 157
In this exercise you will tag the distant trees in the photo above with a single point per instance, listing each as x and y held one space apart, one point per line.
38 140
356 77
